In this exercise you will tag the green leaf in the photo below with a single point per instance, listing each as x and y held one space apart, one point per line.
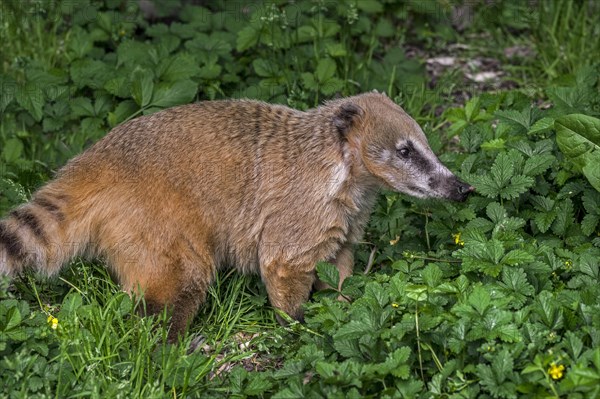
331 86
123 111
309 81
514 283
577 134
354 329
82 106
257 385
573 344
170 94
8 89
521 120
541 126
71 303
13 148
12 319
518 185
480 299
589 224
369 6
142 87
538 164
495 212
432 275
31 98
329 274
325 69
578 137
564 217
517 257
179 67
591 170
493 145
336 49
247 37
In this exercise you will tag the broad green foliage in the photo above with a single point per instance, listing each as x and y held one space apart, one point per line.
578 137
497 297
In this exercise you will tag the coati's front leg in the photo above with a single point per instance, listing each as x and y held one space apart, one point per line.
288 287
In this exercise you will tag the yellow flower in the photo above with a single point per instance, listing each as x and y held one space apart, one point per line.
395 305
556 372
53 321
568 264
457 239
395 240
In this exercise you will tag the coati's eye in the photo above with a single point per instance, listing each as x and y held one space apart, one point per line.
404 152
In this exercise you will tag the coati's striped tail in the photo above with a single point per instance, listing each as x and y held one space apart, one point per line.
38 234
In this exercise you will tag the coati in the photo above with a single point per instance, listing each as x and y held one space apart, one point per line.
169 198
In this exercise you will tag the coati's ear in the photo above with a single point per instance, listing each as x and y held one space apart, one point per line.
346 116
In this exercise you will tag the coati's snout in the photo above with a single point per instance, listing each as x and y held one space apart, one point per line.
457 190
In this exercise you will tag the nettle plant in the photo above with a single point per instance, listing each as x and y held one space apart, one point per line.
495 298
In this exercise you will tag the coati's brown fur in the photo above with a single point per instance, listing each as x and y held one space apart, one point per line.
169 198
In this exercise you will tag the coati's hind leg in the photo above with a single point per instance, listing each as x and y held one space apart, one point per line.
178 283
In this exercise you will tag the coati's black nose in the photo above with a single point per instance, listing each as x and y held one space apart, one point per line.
464 190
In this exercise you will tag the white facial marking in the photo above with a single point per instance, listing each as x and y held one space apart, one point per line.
339 174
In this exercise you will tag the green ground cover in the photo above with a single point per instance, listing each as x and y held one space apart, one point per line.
498 297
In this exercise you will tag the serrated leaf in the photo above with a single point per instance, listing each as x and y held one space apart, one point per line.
578 137
573 344
588 265
538 164
432 275
331 86
517 257
329 274
518 185
564 217
544 220
257 385
550 315
82 106
494 145
591 170
168 95
13 148
541 126
480 299
354 329
142 87
589 224
263 68
521 119
514 283
336 49
325 69
31 98
12 319
495 212
180 67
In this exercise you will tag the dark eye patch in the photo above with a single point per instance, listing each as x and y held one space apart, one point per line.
416 159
